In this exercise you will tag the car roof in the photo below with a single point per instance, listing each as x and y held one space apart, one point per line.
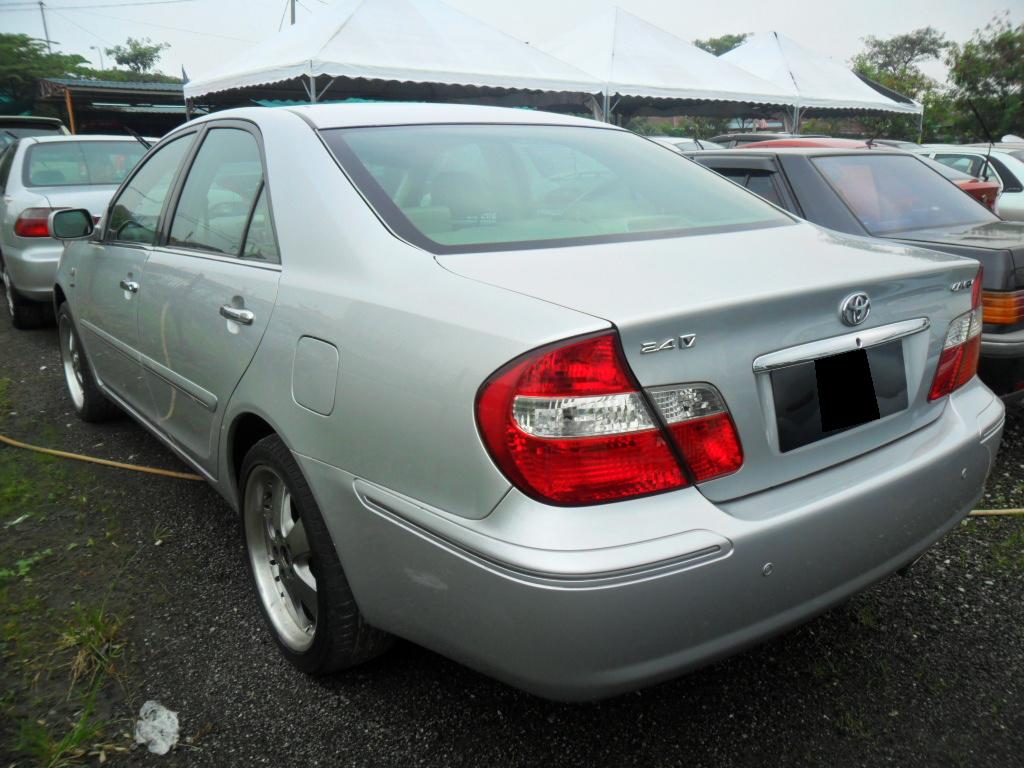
755 149
401 113
65 138
19 119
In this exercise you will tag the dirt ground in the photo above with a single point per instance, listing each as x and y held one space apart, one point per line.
117 588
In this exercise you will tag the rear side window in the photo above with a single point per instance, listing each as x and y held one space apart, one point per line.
759 182
135 215
892 193
6 161
220 193
80 163
463 188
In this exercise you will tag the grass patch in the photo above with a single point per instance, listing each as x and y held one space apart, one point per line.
38 741
23 566
1009 553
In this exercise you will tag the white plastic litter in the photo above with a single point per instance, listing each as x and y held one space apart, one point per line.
157 728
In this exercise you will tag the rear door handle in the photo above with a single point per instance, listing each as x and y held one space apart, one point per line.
130 285
243 316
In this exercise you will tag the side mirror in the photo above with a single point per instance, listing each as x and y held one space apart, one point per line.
71 224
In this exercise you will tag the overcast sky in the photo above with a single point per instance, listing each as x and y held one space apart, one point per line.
203 33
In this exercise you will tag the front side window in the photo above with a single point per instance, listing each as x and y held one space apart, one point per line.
459 188
80 163
219 193
893 193
135 215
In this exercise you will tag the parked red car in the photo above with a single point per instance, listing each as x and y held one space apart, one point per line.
985 192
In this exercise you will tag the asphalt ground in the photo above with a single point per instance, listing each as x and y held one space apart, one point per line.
925 669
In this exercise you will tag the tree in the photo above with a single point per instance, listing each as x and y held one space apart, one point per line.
988 71
722 44
137 55
24 60
895 62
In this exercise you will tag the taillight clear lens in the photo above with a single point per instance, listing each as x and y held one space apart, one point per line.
33 222
701 428
570 426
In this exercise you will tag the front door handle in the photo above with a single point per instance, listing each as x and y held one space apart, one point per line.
243 316
130 285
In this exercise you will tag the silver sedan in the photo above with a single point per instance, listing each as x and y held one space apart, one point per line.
38 175
522 388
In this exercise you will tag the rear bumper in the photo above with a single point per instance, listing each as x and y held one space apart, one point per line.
514 596
33 268
1002 364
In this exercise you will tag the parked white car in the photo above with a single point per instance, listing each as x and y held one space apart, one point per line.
38 175
1005 166
685 144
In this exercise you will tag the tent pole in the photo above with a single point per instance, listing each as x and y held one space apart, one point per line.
312 89
606 108
920 126
796 118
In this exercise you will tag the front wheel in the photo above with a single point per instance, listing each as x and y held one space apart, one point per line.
302 589
89 402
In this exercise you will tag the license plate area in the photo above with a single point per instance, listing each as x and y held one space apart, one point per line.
820 398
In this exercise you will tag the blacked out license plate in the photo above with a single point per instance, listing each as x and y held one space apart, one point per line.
824 397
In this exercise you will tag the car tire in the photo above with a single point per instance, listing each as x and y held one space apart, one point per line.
89 402
24 314
300 584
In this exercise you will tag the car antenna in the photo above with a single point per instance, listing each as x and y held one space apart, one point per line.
984 128
137 137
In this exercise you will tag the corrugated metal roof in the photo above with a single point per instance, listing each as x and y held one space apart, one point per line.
115 85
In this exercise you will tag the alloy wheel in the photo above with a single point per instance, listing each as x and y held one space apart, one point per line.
280 556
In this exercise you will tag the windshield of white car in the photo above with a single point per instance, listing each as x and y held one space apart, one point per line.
80 163
464 188
894 193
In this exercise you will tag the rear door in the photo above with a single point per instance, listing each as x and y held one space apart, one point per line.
110 281
210 289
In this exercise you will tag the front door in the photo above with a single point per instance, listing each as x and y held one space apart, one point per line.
210 290
110 278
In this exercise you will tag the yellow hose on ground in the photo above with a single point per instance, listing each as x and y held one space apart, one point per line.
104 462
190 476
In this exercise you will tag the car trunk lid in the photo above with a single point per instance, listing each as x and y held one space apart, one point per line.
742 296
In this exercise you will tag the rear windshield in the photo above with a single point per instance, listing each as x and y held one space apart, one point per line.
78 163
459 188
11 133
892 193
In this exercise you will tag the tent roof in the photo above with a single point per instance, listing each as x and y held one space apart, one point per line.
418 41
820 82
637 58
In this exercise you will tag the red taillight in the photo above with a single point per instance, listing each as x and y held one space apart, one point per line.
33 222
571 426
958 362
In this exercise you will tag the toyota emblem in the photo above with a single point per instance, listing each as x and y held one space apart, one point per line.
855 308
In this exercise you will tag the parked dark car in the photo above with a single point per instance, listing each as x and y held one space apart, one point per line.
894 195
742 139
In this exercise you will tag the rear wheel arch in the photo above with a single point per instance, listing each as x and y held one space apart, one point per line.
246 430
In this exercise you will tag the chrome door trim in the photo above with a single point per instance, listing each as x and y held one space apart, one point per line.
848 342
187 387
113 341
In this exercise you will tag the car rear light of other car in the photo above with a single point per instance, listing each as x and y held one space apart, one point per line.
958 363
33 222
570 425
1003 307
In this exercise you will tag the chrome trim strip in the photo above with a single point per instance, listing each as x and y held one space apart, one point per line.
113 341
870 337
205 398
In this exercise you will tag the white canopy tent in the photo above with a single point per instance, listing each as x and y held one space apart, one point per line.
638 62
394 49
820 83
